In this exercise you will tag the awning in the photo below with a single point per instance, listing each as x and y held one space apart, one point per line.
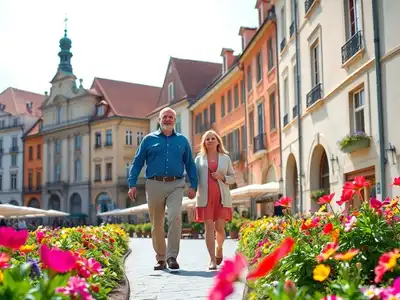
254 190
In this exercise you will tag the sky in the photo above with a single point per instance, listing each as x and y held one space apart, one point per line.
128 40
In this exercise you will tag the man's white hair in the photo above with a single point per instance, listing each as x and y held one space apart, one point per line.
165 110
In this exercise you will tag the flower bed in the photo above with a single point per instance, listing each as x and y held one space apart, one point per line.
321 256
65 263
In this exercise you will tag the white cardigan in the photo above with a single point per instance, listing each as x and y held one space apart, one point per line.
225 168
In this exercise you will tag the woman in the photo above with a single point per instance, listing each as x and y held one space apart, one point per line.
214 202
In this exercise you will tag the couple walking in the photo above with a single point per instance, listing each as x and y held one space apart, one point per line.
166 154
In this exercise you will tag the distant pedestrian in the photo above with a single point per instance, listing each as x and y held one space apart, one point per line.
166 154
214 202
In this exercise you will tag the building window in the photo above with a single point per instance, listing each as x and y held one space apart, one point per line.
108 171
78 142
171 92
127 167
212 114
13 181
30 180
58 172
14 142
1 160
270 54
205 120
128 137
283 24
178 123
58 146
251 122
198 123
59 115
359 111
15 122
100 110
259 66
98 139
222 106
324 173
30 153
78 170
108 137
249 79
139 138
229 101
353 17
272 111
97 172
242 92
1 182
315 67
39 152
286 97
13 160
38 179
236 96
260 117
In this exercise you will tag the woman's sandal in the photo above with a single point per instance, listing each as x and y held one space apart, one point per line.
219 255
212 266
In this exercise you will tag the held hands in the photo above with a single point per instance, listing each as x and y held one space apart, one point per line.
218 176
191 193
132 193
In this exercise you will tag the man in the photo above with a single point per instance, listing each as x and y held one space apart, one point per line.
166 154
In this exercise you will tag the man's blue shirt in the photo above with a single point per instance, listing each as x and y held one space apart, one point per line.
164 156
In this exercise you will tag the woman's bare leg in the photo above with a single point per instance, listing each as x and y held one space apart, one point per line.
210 240
220 230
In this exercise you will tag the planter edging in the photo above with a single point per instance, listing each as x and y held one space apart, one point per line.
126 292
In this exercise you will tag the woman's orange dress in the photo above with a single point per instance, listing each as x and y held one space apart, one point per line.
214 209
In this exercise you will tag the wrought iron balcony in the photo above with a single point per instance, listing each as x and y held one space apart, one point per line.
352 46
259 142
291 29
14 149
283 44
314 95
294 111
308 4
285 119
31 189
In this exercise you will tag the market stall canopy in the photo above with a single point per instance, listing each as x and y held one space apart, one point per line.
254 190
8 211
56 213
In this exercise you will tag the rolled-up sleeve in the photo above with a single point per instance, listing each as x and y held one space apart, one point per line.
190 166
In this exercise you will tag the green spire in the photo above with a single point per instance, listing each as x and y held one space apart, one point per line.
65 53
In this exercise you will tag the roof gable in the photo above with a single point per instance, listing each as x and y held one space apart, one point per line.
20 102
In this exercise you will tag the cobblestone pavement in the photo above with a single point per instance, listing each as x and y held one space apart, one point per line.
192 282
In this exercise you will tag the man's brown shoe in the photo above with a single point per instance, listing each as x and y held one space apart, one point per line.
161 265
172 264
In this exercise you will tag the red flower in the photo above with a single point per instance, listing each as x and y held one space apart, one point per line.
284 202
353 187
326 199
13 239
386 263
328 228
396 181
269 262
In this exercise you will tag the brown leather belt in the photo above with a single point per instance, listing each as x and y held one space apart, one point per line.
165 178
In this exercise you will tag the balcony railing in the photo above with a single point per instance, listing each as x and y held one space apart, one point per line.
352 46
283 44
14 149
285 119
31 189
308 4
314 95
291 29
259 143
294 111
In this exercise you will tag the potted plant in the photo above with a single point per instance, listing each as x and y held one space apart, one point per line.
147 229
131 229
196 229
139 230
316 194
353 142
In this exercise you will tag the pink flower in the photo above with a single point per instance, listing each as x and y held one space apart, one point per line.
57 260
332 297
40 236
77 288
87 267
228 274
11 238
4 259
350 224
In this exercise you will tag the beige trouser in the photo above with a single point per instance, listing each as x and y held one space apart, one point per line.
160 194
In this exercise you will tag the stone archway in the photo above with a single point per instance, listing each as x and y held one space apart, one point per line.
292 182
319 173
14 202
75 204
34 202
104 203
271 175
54 202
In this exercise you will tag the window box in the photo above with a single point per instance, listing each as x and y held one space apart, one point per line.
354 142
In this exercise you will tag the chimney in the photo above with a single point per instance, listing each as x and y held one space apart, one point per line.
228 58
247 34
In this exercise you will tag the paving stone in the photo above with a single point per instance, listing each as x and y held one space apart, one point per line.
192 282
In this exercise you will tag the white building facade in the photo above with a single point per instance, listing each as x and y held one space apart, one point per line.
334 91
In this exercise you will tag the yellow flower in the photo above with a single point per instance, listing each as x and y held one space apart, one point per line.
322 208
26 248
321 272
1 276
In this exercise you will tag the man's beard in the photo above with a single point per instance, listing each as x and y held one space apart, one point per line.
167 127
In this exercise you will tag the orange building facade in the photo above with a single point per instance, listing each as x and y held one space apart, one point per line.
242 105
33 164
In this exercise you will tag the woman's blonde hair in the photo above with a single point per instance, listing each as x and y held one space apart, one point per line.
220 146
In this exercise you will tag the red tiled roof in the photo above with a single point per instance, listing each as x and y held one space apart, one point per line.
196 75
128 99
15 101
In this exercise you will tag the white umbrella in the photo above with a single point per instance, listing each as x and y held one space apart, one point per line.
55 213
8 210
